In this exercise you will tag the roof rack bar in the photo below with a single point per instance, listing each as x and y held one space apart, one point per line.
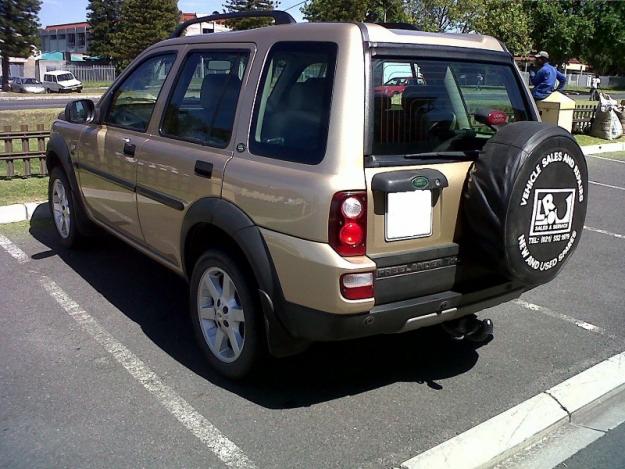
406 26
280 17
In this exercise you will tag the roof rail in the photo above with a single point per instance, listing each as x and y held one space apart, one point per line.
408 26
280 17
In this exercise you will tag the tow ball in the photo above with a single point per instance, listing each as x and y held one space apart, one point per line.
470 328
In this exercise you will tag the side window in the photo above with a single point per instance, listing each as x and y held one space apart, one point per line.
133 101
292 111
203 104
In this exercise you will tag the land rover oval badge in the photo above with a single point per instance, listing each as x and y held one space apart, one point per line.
420 182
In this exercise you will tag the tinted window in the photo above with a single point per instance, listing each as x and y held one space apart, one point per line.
436 111
133 101
202 107
292 110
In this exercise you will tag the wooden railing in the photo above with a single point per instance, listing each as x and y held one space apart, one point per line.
24 151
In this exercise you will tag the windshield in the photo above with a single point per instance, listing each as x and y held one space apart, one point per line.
65 77
30 81
436 110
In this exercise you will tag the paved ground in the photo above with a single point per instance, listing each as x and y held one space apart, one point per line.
106 372
40 102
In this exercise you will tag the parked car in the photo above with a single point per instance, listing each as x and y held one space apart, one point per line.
304 207
397 85
60 81
27 85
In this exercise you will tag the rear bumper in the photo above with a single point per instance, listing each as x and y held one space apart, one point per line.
401 316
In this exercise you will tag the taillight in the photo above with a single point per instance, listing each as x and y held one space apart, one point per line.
347 229
357 286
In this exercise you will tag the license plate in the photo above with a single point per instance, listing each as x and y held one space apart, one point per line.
408 215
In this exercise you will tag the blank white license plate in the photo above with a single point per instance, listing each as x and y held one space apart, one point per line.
408 215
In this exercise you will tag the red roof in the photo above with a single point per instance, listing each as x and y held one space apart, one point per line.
84 24
187 16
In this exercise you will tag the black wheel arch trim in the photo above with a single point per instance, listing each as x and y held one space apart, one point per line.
58 147
229 218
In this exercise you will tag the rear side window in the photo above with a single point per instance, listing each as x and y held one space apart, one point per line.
202 107
134 100
292 110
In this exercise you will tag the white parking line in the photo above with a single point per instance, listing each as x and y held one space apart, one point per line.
196 423
609 233
522 425
607 185
19 255
607 159
579 323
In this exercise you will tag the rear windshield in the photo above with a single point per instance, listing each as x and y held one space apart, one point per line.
435 110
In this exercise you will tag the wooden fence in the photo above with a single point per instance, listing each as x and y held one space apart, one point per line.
24 151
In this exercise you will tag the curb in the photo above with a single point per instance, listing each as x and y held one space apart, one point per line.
46 97
603 148
18 212
515 429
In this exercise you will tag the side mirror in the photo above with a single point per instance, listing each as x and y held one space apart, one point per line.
81 111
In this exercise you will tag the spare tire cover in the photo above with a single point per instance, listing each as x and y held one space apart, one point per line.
525 201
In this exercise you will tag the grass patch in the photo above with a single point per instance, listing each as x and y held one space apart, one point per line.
30 117
18 190
590 140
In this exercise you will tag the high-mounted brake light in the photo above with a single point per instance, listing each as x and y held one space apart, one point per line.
357 286
347 227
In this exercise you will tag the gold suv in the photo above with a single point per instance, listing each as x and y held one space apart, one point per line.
308 195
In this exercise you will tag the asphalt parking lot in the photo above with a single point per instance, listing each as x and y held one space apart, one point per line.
99 367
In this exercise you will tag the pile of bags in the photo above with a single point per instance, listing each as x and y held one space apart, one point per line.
609 119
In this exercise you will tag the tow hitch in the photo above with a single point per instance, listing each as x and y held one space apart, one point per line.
469 328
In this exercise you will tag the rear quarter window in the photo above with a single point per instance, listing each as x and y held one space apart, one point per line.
292 110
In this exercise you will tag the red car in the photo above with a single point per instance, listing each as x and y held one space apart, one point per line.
397 85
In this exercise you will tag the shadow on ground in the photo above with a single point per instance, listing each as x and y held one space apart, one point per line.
156 299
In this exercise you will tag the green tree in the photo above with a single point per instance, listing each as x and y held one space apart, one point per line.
384 11
142 23
558 27
235 6
444 15
104 21
18 31
507 21
604 50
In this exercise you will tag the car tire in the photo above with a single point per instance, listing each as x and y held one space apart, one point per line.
65 209
226 315
525 202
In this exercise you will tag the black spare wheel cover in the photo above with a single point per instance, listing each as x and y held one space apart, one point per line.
525 201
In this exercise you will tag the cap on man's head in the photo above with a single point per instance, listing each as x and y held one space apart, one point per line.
542 54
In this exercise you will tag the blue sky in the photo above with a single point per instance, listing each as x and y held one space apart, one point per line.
70 11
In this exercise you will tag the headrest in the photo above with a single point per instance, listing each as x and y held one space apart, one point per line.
216 87
309 95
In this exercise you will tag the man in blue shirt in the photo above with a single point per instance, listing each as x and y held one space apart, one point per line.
544 80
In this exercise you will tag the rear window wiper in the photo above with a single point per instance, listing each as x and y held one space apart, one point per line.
461 155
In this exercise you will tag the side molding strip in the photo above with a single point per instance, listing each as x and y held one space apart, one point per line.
137 188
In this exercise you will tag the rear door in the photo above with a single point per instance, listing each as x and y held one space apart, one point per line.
190 142
423 142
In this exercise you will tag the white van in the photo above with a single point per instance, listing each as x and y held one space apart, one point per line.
60 80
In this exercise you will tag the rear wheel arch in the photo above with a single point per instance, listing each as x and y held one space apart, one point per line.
216 223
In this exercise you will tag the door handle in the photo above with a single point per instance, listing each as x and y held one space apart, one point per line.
204 169
129 148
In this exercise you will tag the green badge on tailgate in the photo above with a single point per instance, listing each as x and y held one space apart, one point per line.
420 182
